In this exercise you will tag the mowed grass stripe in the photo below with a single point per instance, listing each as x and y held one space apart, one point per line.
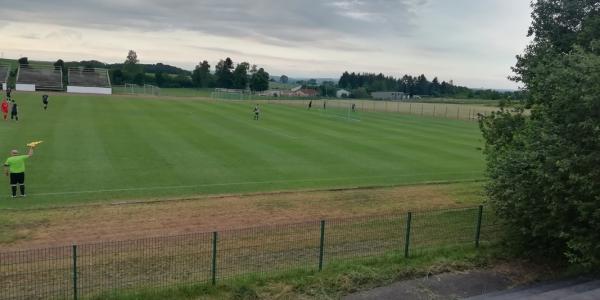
320 139
341 141
385 156
145 148
409 135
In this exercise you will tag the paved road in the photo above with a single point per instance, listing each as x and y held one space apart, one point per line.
444 286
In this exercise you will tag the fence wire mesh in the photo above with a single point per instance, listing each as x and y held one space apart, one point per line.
467 112
37 274
92 270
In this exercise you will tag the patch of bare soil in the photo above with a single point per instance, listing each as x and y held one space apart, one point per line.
133 220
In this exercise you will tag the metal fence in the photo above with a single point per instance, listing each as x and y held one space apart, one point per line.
438 110
91 270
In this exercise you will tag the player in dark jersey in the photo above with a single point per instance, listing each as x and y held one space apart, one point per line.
310 104
14 111
45 101
8 91
353 107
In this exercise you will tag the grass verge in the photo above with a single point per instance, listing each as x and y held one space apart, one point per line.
336 280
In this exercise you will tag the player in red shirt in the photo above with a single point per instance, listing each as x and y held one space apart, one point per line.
4 109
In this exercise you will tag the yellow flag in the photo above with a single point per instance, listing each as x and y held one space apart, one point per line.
33 144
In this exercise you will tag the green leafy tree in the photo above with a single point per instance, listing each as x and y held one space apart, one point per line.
159 78
253 69
240 76
23 61
360 92
328 89
139 79
224 76
283 79
131 66
117 77
259 81
60 64
545 180
201 76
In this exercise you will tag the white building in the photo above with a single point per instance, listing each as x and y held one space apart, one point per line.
389 95
342 94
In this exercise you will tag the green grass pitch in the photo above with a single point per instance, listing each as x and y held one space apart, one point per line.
109 148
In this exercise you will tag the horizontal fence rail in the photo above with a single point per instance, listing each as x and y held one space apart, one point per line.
92 270
466 112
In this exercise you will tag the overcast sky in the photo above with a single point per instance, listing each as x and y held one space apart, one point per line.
473 42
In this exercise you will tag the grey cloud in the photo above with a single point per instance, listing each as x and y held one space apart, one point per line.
262 56
30 36
322 23
69 34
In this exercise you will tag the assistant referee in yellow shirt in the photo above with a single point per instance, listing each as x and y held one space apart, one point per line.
15 167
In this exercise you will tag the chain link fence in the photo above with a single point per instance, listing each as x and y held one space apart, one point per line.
91 270
467 112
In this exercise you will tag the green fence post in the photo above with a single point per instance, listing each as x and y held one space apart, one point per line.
407 237
478 229
214 258
75 272
322 245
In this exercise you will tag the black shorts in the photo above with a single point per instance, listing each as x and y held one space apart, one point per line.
17 178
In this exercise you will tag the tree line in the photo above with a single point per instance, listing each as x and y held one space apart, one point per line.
226 75
363 84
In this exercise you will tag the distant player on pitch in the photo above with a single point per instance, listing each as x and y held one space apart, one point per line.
45 101
4 109
256 112
15 168
14 110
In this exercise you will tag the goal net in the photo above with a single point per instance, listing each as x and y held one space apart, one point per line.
230 94
146 89
338 109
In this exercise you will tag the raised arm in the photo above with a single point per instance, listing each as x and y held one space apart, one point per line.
30 153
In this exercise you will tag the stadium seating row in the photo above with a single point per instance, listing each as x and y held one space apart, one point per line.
47 77
42 77
89 77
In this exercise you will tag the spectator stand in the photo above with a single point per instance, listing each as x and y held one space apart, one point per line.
4 72
89 81
39 77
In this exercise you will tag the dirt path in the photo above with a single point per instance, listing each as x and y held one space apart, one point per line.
63 226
